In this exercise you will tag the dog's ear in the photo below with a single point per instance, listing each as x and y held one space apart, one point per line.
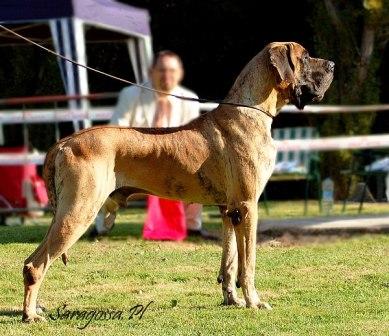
281 57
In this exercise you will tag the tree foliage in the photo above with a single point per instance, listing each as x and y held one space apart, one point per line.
349 32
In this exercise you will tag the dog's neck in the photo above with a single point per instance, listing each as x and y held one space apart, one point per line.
252 86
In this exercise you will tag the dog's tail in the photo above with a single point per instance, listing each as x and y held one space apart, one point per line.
49 177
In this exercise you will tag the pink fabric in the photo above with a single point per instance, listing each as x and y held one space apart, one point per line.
40 193
165 220
12 177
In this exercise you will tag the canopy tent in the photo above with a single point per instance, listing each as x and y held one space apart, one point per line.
67 20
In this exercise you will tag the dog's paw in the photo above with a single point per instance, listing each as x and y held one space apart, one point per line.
265 305
33 318
237 302
260 305
231 299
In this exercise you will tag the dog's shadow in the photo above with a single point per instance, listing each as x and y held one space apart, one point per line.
123 231
22 233
9 315
34 233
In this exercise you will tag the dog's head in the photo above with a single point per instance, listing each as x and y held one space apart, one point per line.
300 78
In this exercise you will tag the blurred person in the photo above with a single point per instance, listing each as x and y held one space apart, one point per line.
137 107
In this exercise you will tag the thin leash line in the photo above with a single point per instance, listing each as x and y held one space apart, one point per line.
200 100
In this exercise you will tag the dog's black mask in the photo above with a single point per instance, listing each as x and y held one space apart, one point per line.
315 77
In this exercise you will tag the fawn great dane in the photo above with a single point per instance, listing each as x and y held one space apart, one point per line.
224 157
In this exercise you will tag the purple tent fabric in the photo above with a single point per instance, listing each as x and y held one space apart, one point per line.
124 18
67 20
114 14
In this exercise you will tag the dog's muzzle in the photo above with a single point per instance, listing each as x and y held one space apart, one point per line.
315 89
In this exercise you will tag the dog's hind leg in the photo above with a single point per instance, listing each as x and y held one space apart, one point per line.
75 212
229 263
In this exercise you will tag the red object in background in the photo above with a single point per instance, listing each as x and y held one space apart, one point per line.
39 189
12 178
165 220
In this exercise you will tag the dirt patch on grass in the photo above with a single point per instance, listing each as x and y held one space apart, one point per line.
286 239
299 237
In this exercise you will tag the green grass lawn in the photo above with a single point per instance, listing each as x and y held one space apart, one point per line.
337 287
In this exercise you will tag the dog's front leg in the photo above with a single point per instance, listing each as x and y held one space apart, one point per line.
105 219
229 263
244 218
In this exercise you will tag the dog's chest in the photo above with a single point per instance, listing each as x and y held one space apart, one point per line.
261 158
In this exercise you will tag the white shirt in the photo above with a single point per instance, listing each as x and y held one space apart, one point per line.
136 107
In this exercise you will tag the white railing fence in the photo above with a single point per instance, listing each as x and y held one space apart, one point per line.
25 116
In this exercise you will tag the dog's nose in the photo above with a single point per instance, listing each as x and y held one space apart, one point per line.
330 66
